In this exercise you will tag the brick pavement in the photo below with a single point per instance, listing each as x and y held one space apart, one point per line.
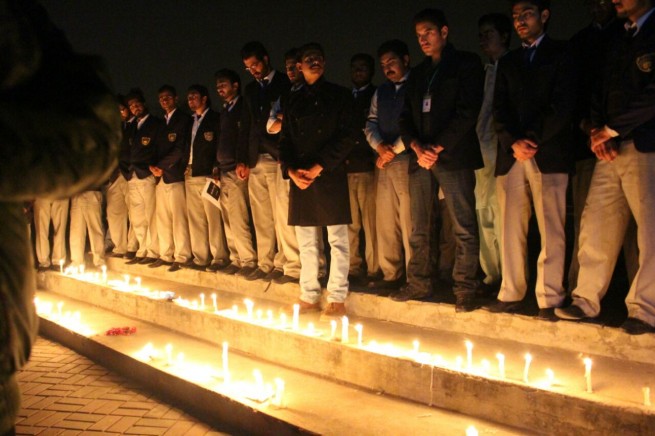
65 393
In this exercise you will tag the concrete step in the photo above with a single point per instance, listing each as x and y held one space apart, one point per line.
195 383
436 371
577 337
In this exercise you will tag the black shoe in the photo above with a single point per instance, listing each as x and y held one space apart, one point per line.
384 284
357 279
246 271
231 269
504 306
175 266
147 260
571 313
635 326
547 314
255 275
465 303
215 267
273 274
159 262
134 260
116 255
192 265
42 269
408 292
130 255
57 268
284 279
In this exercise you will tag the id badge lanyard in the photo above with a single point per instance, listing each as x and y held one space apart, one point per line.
427 98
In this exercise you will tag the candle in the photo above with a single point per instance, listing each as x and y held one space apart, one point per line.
501 365
415 346
359 328
138 282
180 358
249 306
310 329
646 391
202 301
469 354
214 302
61 266
81 269
104 273
526 369
226 372
60 306
259 383
126 277
344 329
235 310
471 431
587 373
269 315
333 328
259 314
169 354
296 314
148 350
485 366
458 363
283 320
279 392
550 377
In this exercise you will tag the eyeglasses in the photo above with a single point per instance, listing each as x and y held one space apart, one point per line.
524 16
254 66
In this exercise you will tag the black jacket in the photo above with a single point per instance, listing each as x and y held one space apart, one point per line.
230 136
171 156
144 145
204 145
362 158
457 90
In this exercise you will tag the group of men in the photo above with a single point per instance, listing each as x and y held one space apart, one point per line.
291 154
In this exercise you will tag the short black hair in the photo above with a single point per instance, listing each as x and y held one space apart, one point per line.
227 74
135 94
432 15
254 48
292 54
366 58
121 100
202 90
501 23
540 4
311 46
169 88
395 46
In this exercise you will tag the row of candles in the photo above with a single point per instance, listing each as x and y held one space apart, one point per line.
257 316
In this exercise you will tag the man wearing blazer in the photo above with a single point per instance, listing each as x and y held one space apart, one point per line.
623 183
534 103
258 157
146 137
208 243
172 222
442 103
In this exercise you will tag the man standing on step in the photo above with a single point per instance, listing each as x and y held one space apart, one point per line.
623 139
443 99
316 138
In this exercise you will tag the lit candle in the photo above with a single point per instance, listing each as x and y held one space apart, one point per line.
501 365
279 392
104 273
180 358
310 329
283 320
458 363
138 282
550 377
61 266
249 306
214 302
226 371
202 301
296 314
169 354
259 314
235 310
148 350
81 269
415 344
359 328
333 328
344 329
485 366
269 315
127 279
469 354
526 369
587 373
646 391
259 382
60 306
471 431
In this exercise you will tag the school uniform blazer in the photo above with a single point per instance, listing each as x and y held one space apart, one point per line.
171 155
204 145
144 146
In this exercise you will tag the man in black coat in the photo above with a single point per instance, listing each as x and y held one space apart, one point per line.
442 102
172 222
533 108
316 138
623 139
258 158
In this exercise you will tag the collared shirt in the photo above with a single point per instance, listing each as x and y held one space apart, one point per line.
356 91
141 121
484 126
230 104
197 119
371 129
268 78
640 22
534 45
169 115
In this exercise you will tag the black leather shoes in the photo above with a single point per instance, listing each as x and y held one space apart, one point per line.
147 260
547 314
134 260
408 292
273 274
465 303
571 313
158 263
175 266
246 271
635 326
284 279
231 269
255 275
130 255
504 306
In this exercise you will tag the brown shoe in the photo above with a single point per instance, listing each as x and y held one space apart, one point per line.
304 308
334 310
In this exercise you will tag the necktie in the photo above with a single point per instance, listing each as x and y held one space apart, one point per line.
631 30
528 54
264 83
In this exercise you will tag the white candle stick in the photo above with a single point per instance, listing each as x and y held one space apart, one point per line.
104 273
259 314
169 354
415 346
202 301
214 302
296 316
249 307
283 320
333 329
359 328
310 329
81 269
485 366
235 310
137 280
61 266
259 383
458 363
501 365
126 277
279 392
469 354
180 358
269 315
60 306
472 431
587 374
526 369
226 371
550 377
344 329
646 392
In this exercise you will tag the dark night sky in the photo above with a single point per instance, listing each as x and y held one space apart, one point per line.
148 43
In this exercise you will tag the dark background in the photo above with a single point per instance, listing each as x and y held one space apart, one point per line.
148 43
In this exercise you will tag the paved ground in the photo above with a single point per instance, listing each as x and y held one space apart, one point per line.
65 393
